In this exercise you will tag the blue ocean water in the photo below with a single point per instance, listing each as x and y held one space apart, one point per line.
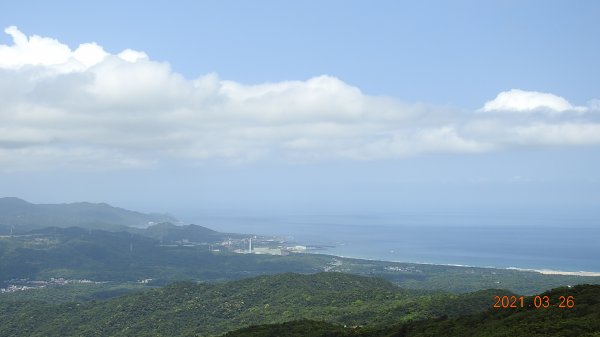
530 240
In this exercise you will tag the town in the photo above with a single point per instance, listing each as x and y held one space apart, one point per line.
15 285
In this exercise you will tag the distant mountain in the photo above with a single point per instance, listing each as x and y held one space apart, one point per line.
22 216
168 232
190 309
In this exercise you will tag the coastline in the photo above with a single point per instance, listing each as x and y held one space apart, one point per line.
559 272
540 271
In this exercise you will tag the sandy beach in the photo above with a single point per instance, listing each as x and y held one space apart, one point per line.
559 272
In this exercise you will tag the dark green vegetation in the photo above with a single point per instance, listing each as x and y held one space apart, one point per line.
582 320
74 292
75 253
189 308
302 328
324 304
167 233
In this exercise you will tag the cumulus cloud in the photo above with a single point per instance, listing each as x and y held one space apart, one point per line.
31 51
517 100
88 108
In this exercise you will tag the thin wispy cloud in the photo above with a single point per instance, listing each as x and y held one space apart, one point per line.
88 108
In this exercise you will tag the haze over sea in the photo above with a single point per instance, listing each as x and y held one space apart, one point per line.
549 239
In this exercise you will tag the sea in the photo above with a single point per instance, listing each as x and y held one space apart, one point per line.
539 240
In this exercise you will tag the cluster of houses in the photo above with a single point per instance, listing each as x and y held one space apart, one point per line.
23 284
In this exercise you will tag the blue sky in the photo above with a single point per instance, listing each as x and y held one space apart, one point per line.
460 52
302 106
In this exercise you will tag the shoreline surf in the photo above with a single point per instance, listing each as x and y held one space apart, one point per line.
540 271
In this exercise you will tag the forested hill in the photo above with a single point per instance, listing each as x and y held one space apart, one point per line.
21 216
324 304
123 256
581 320
169 232
189 309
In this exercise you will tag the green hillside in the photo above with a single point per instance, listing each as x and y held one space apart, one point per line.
167 232
324 304
582 320
123 256
188 309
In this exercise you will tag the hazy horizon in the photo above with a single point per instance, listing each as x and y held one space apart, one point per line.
462 106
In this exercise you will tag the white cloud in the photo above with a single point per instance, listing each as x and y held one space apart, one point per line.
88 108
133 56
517 100
89 54
44 51
442 139
34 50
558 134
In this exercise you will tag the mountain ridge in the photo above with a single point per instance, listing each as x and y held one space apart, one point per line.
22 215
